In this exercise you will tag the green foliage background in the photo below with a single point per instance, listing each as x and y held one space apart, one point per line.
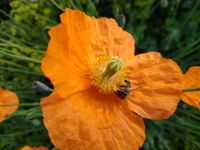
171 27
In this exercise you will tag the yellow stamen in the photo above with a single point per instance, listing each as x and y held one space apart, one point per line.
107 74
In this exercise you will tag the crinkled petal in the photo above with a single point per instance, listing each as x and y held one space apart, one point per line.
88 120
76 27
108 38
191 79
7 98
63 72
103 35
156 86
74 45
34 148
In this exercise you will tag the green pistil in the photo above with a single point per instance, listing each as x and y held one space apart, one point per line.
115 64
191 89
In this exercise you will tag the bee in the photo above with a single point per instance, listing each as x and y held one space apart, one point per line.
124 90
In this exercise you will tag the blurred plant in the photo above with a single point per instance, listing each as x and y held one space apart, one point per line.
170 27
23 39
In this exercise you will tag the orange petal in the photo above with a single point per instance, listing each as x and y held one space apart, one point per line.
88 120
108 38
7 97
103 36
191 80
156 81
64 73
68 56
74 45
76 27
34 148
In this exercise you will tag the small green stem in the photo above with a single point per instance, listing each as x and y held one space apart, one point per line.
20 71
22 104
23 48
23 58
57 5
12 64
72 4
191 89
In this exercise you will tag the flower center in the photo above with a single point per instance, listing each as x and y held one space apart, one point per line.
108 74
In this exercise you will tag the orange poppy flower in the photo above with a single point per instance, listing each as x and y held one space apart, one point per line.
34 148
98 82
191 79
7 98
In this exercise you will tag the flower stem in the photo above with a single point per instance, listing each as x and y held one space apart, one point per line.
57 5
23 58
22 104
20 71
191 89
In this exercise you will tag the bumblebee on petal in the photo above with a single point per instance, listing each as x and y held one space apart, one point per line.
124 90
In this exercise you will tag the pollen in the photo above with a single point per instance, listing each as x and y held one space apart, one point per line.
107 74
